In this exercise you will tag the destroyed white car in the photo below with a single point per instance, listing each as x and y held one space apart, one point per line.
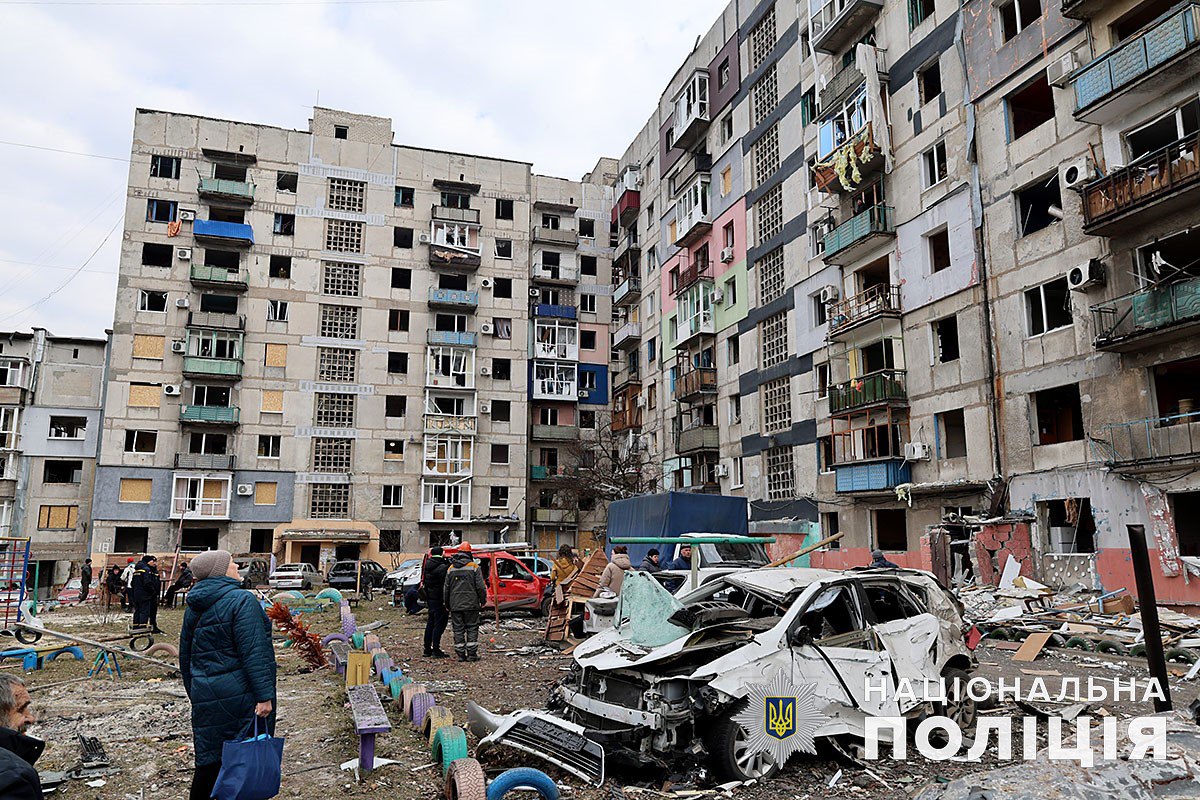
756 665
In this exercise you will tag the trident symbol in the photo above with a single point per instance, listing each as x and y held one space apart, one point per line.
781 717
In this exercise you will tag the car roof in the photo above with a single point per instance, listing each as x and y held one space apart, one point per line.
782 581
299 565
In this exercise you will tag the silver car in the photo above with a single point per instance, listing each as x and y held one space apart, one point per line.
295 576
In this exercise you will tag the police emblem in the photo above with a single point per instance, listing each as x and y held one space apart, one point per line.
780 718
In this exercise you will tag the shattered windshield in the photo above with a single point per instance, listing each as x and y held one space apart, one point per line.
733 554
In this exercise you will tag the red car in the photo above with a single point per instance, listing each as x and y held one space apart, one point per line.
514 586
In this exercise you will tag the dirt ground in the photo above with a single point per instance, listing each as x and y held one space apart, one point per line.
143 718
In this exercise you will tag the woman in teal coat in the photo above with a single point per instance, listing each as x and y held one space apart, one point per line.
227 661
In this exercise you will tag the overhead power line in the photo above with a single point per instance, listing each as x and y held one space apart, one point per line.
59 150
148 3
70 277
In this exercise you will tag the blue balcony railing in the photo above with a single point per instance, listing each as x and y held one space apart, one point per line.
454 338
229 231
552 310
460 298
872 476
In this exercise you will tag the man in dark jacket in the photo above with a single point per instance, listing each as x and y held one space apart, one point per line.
182 583
683 561
880 561
145 591
18 752
85 580
465 596
112 582
434 584
650 562
227 662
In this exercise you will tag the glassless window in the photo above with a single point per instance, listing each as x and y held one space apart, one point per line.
837 128
1048 307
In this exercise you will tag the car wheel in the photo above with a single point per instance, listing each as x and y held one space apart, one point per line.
730 754
959 705
543 609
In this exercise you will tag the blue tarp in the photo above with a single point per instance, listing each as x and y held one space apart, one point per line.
670 514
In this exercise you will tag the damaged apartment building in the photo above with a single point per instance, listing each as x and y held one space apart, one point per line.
893 269
330 346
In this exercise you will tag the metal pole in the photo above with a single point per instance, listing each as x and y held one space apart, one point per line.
1140 557
37 569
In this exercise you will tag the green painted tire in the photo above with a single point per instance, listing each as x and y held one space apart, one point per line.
1110 646
356 641
1138 650
330 594
1181 655
1001 634
449 745
1079 643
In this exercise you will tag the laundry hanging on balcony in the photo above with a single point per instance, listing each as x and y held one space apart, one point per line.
173 228
866 58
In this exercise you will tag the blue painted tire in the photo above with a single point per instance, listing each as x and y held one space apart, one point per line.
330 594
522 777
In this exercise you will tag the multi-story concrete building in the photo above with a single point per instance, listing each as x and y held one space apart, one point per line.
51 392
321 338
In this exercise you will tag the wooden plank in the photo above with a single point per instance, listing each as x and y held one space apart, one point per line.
369 714
358 669
1031 648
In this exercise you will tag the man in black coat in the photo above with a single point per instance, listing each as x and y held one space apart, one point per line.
145 590
434 584
85 580
650 562
18 752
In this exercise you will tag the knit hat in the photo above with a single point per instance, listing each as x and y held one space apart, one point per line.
211 564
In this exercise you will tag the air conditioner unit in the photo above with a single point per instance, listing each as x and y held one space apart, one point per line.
1076 173
187 216
830 294
486 283
171 389
245 489
726 255
1089 273
1058 73
485 408
423 238
917 451
640 402
183 253
485 370
183 302
717 295
722 470
178 346
535 293
584 392
487 327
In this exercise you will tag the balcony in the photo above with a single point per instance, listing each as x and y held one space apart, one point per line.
701 437
630 375
555 433
1163 314
555 516
627 418
14 380
885 387
836 25
200 507
1162 182
699 324
628 290
691 274
859 234
881 300
691 167
1153 442
453 338
841 87
1082 9
213 415
453 298
629 204
544 473
562 389
213 461
692 214
450 423
447 256
470 216
559 236
696 383
872 476
233 280
867 153
628 251
227 233
201 367
562 274
1138 72
629 333
211 319
554 311
691 111
226 190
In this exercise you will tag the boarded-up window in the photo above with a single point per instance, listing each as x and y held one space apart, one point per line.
272 400
144 395
57 517
276 355
147 346
136 490
264 493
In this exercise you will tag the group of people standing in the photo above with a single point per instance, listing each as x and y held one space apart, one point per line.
138 588
455 593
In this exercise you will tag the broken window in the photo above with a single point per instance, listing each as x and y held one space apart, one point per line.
157 255
1048 307
395 405
501 410
1059 414
1039 205
945 340
405 196
587 228
401 278
504 208
1185 509
277 311
831 526
219 303
226 259
402 238
229 172
141 441
281 267
1030 106
397 363
269 445
929 82
286 181
1017 15
161 210
393 449
152 301
341 131
285 224
456 200
1175 386
164 167
504 248
1070 527
587 265
919 11
398 319
939 250
235 215
834 618
889 602
935 164
502 287
952 434
890 526
499 499
62 472
1179 123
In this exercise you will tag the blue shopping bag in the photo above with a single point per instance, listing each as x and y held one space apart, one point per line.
250 768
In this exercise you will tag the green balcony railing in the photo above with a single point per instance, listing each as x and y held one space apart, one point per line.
875 220
220 187
225 367
207 274
1140 314
884 386
220 414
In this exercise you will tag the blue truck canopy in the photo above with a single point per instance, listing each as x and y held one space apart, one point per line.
670 514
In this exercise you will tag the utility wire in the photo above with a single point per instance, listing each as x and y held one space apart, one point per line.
58 150
71 277
136 4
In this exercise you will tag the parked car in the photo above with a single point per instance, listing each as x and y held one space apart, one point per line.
405 576
538 565
254 572
728 640
70 592
357 576
516 586
295 576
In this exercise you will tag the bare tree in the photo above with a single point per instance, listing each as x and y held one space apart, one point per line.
607 465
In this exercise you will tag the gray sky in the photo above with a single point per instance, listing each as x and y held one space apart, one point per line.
555 83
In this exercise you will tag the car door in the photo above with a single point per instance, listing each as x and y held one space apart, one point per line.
515 585
907 631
